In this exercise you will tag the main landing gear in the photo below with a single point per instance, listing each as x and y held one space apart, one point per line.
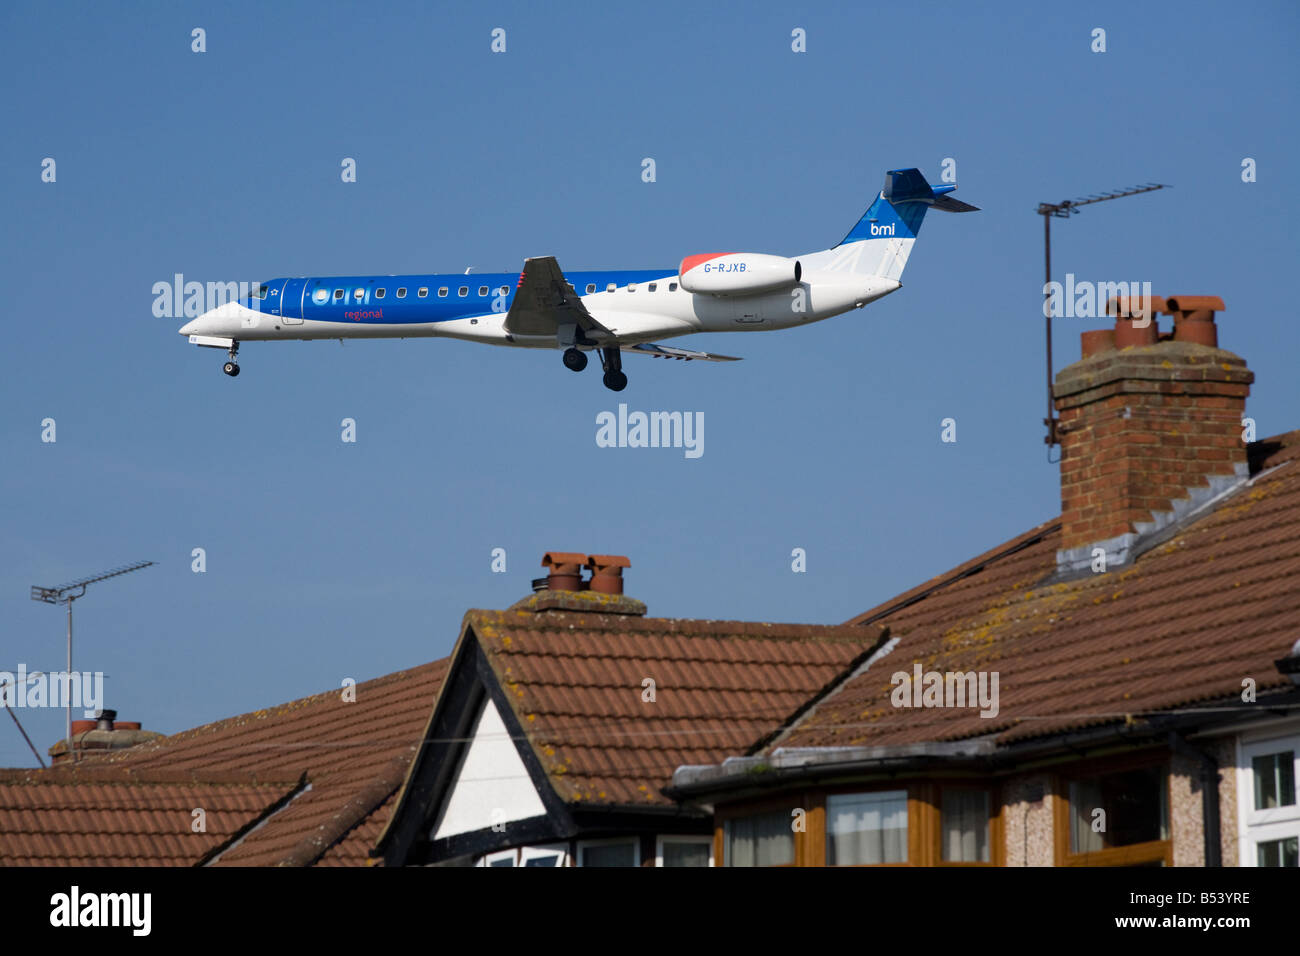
231 368
575 360
611 360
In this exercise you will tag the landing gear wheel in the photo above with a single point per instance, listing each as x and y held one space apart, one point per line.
575 360
231 369
611 360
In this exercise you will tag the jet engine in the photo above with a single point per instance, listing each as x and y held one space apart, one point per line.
738 273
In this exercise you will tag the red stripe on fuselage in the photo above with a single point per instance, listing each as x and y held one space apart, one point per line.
690 262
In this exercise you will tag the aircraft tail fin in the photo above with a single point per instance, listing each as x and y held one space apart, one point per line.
894 219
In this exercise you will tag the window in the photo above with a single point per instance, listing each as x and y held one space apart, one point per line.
1274 779
259 292
338 294
866 828
631 287
765 839
684 851
401 293
608 853
1134 807
1267 808
442 292
611 287
424 292
964 817
501 858
1278 852
504 290
320 296
482 290
652 286
672 287
591 287
359 294
463 291
380 293
556 855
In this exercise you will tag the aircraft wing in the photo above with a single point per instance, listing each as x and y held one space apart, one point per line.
668 351
544 301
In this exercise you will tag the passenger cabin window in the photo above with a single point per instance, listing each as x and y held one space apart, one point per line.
504 290
482 290
463 291
401 293
338 294
652 286
321 296
611 287
591 287
672 287
631 287
379 293
442 292
359 294
424 292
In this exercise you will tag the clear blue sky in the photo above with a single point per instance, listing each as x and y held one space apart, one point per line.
328 560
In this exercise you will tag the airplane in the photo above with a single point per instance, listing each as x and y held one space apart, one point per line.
541 307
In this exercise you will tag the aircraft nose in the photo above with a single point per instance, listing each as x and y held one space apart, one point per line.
189 328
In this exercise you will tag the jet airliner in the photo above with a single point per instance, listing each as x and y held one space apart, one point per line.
606 312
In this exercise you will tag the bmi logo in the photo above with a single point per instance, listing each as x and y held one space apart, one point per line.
883 229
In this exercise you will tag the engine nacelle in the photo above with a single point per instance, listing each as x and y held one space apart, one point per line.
738 273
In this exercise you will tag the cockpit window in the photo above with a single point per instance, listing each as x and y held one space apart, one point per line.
259 292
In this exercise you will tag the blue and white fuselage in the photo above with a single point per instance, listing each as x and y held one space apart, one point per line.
607 311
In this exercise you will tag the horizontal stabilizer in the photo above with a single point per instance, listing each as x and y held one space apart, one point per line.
668 351
948 204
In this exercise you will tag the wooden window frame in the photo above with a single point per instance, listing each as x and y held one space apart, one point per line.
787 802
1135 854
924 823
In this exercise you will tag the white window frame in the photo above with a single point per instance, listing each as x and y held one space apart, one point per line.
635 841
1263 826
675 838
486 859
527 853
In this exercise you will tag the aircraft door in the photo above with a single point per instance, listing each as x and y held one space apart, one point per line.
290 304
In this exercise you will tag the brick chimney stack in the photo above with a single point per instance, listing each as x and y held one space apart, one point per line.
1150 427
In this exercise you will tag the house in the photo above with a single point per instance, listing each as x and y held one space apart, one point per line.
1115 686
544 740
307 783
1140 651
562 718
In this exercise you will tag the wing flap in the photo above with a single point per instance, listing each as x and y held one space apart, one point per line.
671 352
